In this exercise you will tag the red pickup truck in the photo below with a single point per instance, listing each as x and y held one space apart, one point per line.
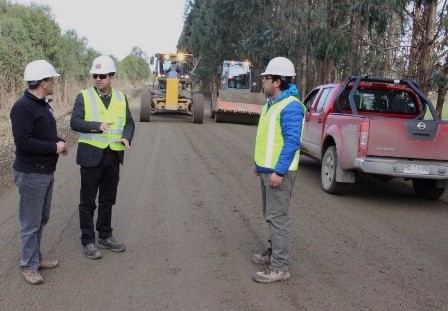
383 127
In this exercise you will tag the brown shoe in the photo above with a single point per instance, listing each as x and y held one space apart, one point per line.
32 276
48 263
263 258
269 276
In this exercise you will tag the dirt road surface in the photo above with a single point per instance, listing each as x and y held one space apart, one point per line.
189 211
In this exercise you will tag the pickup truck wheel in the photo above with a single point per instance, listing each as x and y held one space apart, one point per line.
426 189
328 172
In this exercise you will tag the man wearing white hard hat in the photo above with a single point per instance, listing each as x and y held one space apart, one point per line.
276 157
37 150
101 114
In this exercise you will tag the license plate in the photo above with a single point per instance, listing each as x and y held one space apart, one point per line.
416 169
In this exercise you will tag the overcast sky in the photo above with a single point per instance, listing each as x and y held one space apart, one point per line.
115 27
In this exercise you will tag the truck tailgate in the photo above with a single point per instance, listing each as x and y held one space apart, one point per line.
401 138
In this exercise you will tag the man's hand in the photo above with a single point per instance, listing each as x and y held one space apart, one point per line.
125 142
276 180
65 151
104 127
61 147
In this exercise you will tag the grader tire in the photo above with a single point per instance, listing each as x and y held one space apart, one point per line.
198 109
145 106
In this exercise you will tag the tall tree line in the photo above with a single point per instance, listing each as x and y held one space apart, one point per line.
30 32
328 40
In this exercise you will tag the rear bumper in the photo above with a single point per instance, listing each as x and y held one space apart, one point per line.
396 168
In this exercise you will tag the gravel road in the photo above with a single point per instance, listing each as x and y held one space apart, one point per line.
189 211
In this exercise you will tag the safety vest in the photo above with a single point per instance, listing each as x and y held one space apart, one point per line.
269 141
94 110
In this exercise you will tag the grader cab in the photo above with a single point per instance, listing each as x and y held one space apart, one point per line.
172 89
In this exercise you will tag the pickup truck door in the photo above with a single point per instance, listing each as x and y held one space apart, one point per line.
314 121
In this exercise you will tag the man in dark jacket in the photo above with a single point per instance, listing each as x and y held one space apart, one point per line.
101 114
37 151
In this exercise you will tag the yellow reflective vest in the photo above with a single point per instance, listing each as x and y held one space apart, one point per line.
269 140
94 110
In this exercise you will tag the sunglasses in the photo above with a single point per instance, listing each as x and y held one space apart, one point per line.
101 76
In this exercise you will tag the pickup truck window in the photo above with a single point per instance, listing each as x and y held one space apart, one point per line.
309 100
379 100
323 99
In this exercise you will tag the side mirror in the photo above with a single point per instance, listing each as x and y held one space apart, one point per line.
151 60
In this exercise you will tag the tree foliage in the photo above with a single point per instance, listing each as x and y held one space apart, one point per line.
30 32
327 40
136 66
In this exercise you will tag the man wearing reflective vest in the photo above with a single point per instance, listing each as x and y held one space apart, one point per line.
101 114
276 158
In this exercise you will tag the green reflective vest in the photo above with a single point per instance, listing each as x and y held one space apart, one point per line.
269 141
94 110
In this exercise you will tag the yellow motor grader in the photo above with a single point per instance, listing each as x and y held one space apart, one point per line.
171 90
233 100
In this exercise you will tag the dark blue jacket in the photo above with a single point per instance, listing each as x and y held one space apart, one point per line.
35 135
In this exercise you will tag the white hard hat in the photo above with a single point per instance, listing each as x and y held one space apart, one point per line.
103 64
280 66
38 70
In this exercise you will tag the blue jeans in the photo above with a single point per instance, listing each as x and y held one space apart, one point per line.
34 211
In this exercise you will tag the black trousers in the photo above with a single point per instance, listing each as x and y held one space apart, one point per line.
102 180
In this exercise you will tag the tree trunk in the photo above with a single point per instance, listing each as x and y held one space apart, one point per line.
426 59
357 28
390 44
441 93
303 76
416 34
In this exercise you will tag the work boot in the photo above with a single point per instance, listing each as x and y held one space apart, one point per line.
263 258
270 276
32 276
48 263
112 244
92 251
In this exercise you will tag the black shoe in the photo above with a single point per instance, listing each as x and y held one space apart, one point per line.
92 251
112 244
